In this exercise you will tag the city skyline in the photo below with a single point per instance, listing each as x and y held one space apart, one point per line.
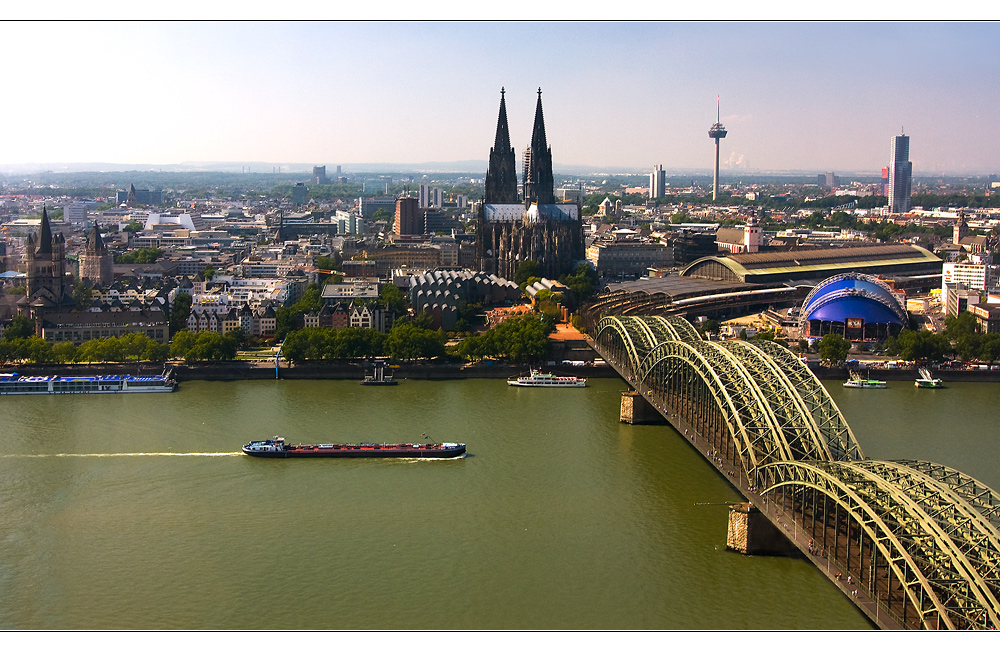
794 96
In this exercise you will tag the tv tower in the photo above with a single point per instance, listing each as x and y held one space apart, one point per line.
717 131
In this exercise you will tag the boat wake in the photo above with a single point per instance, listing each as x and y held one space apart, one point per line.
411 460
226 454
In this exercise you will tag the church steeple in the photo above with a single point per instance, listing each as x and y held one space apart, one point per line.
538 181
502 142
95 243
501 176
44 235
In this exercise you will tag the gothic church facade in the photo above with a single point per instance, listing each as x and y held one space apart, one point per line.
512 228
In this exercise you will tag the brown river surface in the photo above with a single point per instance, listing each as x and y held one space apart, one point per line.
137 511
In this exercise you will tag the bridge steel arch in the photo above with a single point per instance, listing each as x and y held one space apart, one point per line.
921 540
907 543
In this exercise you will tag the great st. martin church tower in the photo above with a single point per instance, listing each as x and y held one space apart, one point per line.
510 232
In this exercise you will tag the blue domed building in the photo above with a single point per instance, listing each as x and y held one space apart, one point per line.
861 307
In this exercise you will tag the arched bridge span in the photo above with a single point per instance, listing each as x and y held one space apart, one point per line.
920 542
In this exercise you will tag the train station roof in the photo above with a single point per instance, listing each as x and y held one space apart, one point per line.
815 263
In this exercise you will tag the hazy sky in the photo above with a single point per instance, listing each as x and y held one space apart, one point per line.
794 95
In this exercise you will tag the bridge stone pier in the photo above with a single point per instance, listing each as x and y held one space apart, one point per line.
636 410
919 541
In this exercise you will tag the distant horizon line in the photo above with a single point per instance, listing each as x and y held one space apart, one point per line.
427 167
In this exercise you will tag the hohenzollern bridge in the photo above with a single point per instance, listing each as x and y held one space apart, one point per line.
914 544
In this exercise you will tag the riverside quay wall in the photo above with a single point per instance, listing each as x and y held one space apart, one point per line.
246 370
911 374
264 370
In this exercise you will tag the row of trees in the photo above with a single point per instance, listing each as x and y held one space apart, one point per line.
143 256
521 339
132 347
961 339
20 344
405 341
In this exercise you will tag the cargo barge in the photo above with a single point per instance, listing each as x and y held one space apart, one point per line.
278 448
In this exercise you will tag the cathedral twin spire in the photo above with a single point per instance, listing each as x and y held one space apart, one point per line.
501 176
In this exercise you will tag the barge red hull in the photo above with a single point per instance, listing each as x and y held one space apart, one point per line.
438 451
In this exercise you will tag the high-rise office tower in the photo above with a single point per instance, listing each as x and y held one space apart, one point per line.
900 175
657 182
425 196
409 219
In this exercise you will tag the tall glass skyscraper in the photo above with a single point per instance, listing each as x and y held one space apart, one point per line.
900 175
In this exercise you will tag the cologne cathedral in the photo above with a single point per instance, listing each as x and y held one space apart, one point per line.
511 229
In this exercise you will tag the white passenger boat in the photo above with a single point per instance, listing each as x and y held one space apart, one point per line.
864 383
14 384
539 379
928 381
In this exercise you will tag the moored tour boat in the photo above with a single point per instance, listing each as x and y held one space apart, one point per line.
539 379
926 380
15 384
278 448
379 375
865 383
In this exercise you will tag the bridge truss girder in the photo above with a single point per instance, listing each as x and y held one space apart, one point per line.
930 532
934 565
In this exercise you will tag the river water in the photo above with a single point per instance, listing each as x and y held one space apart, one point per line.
136 512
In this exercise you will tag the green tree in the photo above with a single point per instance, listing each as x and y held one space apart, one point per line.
183 342
156 352
179 312
393 298
64 352
833 348
468 315
212 347
522 339
963 324
408 342
140 256
328 262
525 270
20 327
989 350
923 345
288 318
39 350
583 283
474 347
81 295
